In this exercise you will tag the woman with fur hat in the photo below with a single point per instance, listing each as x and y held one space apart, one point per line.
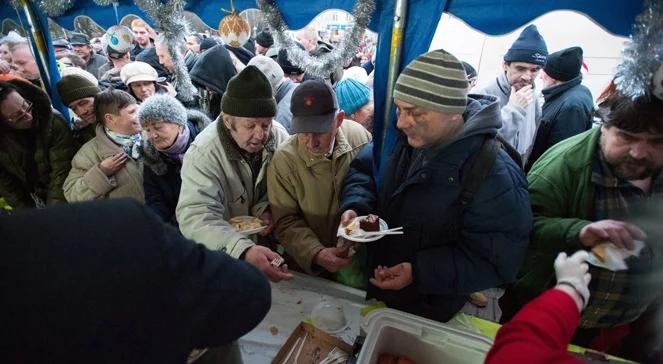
170 129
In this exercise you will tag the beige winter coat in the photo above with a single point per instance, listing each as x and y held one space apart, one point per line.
87 182
217 184
304 192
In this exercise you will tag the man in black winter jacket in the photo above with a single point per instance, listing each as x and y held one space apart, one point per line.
568 106
108 282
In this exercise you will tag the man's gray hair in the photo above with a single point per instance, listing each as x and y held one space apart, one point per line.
162 41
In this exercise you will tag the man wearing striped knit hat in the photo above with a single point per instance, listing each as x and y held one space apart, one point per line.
462 201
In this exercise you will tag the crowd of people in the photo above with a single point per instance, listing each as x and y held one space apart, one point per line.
490 180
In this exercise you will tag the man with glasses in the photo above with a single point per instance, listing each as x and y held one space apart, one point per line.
35 147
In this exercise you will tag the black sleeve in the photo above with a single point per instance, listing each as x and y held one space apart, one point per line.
221 298
154 196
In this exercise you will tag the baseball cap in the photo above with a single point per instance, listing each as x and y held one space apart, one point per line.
313 106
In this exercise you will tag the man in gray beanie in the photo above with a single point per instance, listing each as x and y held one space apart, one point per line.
514 87
462 201
282 86
224 176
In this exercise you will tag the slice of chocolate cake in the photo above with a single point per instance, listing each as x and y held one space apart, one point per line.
370 223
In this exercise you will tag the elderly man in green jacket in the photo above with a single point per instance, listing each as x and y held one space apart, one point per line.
584 191
305 178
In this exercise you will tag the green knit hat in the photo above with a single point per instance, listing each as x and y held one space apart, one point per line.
249 94
75 87
435 81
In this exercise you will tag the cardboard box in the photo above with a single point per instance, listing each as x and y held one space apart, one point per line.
308 345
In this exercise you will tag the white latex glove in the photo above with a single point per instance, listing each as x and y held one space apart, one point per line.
573 271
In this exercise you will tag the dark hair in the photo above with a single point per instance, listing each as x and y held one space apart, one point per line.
642 115
111 101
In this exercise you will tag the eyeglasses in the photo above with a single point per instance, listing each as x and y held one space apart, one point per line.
20 115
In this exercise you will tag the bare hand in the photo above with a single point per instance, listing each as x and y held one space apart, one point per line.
333 259
266 218
522 97
170 90
5 67
619 233
347 217
113 164
261 258
394 278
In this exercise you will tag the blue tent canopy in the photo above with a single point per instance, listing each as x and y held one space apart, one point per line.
489 16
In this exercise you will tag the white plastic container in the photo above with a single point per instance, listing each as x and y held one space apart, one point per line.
423 341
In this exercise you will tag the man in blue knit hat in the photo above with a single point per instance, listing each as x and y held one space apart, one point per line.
515 89
354 98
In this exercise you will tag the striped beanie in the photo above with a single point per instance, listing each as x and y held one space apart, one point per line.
435 81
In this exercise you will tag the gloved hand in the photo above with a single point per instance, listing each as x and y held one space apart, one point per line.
573 272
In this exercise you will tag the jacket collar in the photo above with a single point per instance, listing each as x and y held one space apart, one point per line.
106 146
341 146
554 91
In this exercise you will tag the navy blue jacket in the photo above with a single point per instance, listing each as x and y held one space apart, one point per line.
566 112
161 175
453 252
108 282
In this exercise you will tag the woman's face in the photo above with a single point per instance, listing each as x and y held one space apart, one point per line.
143 89
162 134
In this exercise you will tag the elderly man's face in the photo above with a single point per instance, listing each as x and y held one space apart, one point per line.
250 134
83 50
521 74
84 108
632 156
193 44
24 64
164 58
319 144
425 128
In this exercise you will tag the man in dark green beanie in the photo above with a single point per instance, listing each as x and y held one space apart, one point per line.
224 176
77 92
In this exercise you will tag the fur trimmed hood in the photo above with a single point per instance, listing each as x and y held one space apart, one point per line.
156 161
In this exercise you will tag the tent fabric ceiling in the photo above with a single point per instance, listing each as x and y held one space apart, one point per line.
503 16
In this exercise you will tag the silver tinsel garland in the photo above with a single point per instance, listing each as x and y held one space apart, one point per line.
105 2
170 18
325 64
54 8
644 53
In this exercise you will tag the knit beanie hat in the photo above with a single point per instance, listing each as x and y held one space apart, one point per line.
269 68
66 71
249 94
75 87
564 65
434 81
265 39
207 43
162 108
288 67
352 95
469 70
529 47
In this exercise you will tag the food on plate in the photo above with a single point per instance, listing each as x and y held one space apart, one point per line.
393 359
600 252
244 223
370 223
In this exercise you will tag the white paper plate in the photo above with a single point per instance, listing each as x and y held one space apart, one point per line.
341 232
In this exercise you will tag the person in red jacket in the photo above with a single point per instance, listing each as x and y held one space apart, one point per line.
542 330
